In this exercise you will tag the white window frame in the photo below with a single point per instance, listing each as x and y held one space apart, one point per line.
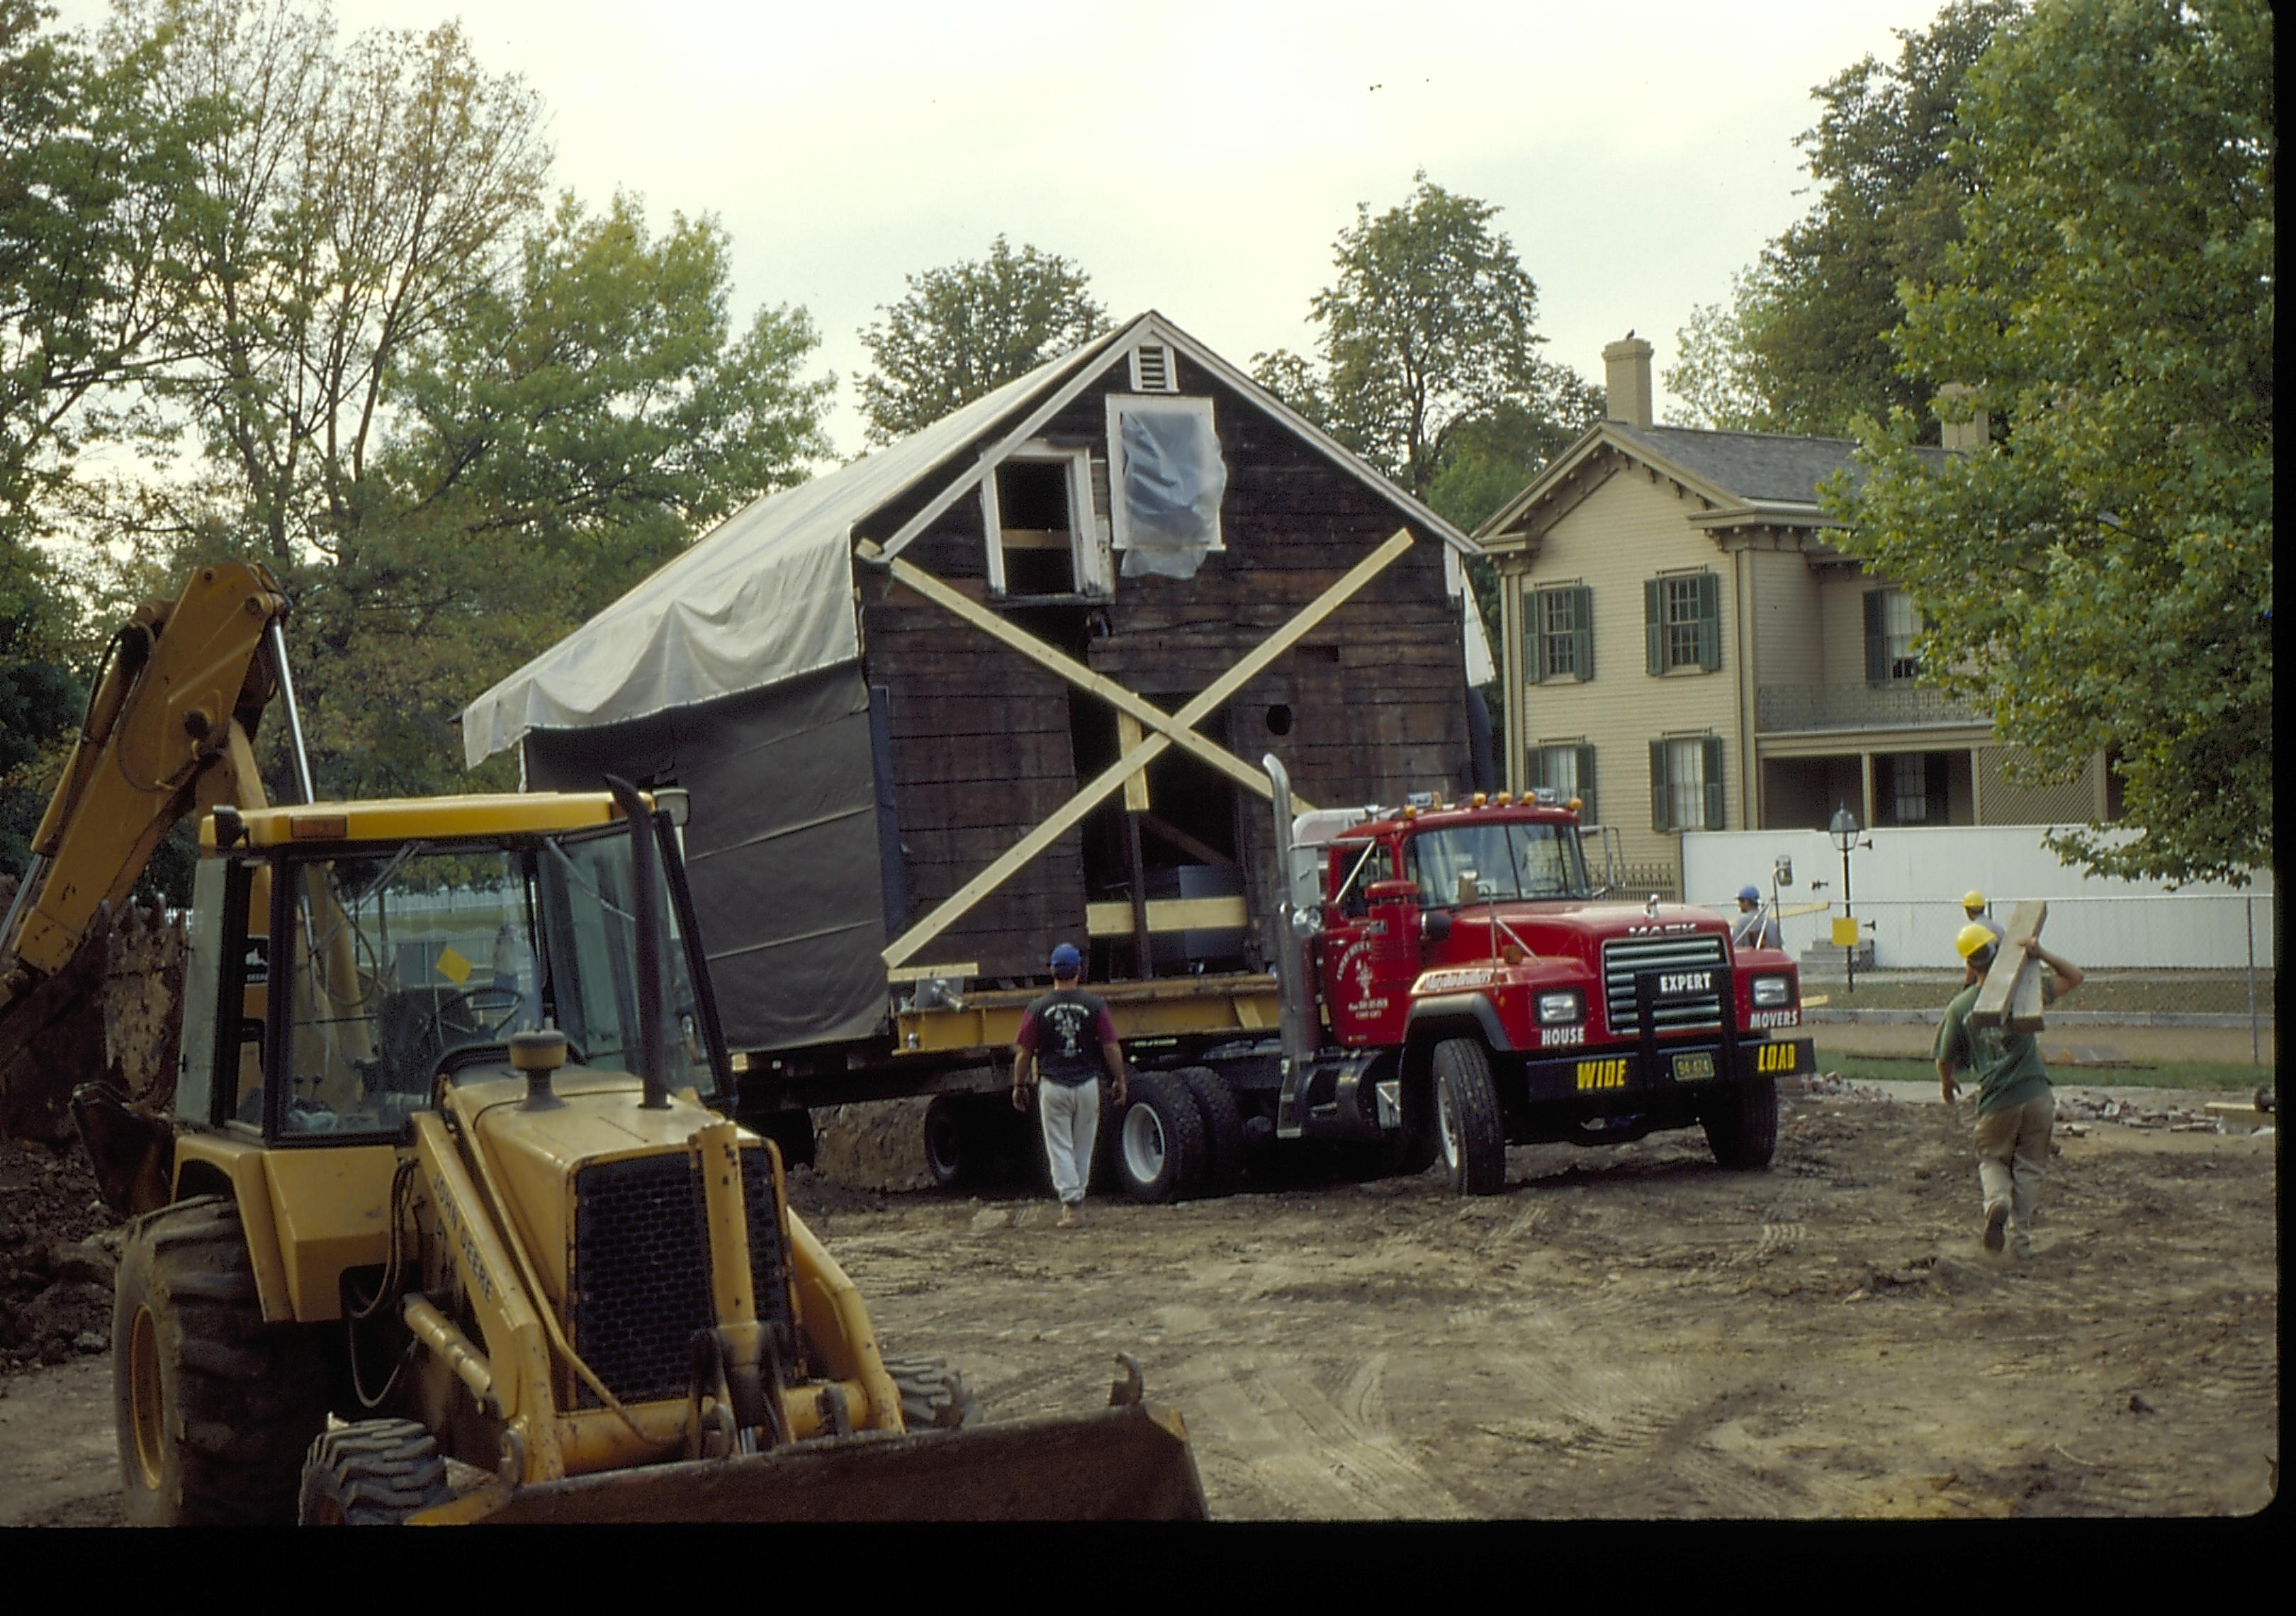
1120 405
1901 627
1087 546
1685 781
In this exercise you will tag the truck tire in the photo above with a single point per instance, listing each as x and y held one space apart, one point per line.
1223 1121
1467 1120
214 1409
956 1152
934 1397
1159 1141
1742 1125
375 1473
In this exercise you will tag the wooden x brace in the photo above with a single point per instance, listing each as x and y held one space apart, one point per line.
1170 728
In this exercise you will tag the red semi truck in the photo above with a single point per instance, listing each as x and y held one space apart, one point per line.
1449 979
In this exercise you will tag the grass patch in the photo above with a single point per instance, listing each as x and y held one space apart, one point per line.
2233 1078
2172 992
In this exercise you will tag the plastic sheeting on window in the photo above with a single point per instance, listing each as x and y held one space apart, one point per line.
1174 480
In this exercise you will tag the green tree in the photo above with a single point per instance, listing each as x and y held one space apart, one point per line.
966 329
1803 344
1427 335
2100 574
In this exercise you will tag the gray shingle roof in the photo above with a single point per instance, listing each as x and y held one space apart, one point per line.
1761 467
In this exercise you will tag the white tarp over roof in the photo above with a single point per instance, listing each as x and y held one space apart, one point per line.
764 596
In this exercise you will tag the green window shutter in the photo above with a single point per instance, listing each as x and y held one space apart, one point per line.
1587 810
1582 629
1940 794
1653 628
1657 786
1534 774
1877 638
1712 746
1710 621
1534 665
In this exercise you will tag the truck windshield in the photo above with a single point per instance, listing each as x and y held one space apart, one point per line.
1517 860
396 961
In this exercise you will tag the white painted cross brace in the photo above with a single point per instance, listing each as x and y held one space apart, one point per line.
1112 778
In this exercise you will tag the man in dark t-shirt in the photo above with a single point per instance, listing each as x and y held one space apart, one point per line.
1070 1038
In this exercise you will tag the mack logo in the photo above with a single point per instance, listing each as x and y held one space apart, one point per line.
1688 982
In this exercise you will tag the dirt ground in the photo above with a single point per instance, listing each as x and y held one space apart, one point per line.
1626 1332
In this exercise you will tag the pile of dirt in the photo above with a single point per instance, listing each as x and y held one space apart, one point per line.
878 1144
58 1250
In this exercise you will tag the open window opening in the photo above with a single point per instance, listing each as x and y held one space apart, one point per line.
1187 832
1043 537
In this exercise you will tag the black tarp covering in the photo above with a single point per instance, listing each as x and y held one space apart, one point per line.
786 847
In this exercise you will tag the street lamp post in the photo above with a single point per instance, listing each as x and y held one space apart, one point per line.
1843 828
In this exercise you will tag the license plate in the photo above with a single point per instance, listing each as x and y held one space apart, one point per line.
1696 1067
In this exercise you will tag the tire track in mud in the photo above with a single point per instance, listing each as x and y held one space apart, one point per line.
1329 1458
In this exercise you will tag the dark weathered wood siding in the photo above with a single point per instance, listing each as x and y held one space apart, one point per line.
982 742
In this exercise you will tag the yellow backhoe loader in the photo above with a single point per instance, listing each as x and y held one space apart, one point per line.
441 1226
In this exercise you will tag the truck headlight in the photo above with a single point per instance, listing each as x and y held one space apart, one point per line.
1773 992
1555 1009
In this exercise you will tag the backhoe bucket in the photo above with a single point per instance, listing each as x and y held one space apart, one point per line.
1124 1464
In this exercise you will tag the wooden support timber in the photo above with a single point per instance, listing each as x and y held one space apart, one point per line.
2012 992
1179 726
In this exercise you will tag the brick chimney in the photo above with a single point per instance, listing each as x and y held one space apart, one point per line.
1968 434
1626 379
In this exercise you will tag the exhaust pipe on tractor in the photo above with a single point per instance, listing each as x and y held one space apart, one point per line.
1295 932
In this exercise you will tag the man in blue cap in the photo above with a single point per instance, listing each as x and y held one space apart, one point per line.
1757 927
1070 1038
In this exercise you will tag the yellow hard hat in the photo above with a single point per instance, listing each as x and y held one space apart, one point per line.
1972 936
1973 899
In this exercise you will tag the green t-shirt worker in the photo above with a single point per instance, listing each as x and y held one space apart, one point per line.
2016 1108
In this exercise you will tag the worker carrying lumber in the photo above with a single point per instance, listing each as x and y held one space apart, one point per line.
2016 1108
1972 904
1069 1037
1756 927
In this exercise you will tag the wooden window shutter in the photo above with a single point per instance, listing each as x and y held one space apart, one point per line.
1657 786
1877 638
1712 748
1533 652
1582 630
1710 621
1940 797
1533 773
1586 811
1654 626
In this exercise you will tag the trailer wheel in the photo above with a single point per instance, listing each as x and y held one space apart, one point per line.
213 1408
934 1397
1742 1125
375 1473
954 1151
1159 1141
1467 1121
1223 1121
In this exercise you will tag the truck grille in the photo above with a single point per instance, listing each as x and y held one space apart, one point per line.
1626 957
640 1284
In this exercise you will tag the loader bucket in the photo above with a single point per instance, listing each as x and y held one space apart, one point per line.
1123 1463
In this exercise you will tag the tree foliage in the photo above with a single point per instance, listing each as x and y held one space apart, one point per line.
2102 573
1426 341
1803 344
966 329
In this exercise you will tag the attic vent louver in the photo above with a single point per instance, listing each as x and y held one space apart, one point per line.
1152 370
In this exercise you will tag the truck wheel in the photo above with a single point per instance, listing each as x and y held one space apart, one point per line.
1223 1121
1742 1125
1467 1118
934 1397
1159 1141
375 1473
954 1151
213 1408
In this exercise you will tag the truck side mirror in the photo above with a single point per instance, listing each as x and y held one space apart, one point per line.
1471 886
1781 873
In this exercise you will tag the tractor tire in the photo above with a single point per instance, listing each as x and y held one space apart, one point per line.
213 1408
934 1397
1472 1133
1223 1121
375 1473
1159 1143
1742 1125
956 1155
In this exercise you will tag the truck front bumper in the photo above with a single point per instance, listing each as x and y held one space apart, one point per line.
1673 1073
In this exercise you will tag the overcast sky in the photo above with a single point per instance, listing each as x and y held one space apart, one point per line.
1195 158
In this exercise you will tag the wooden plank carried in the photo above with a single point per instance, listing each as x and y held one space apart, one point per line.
2011 991
1111 779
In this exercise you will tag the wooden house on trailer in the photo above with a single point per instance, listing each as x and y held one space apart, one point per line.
1008 682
